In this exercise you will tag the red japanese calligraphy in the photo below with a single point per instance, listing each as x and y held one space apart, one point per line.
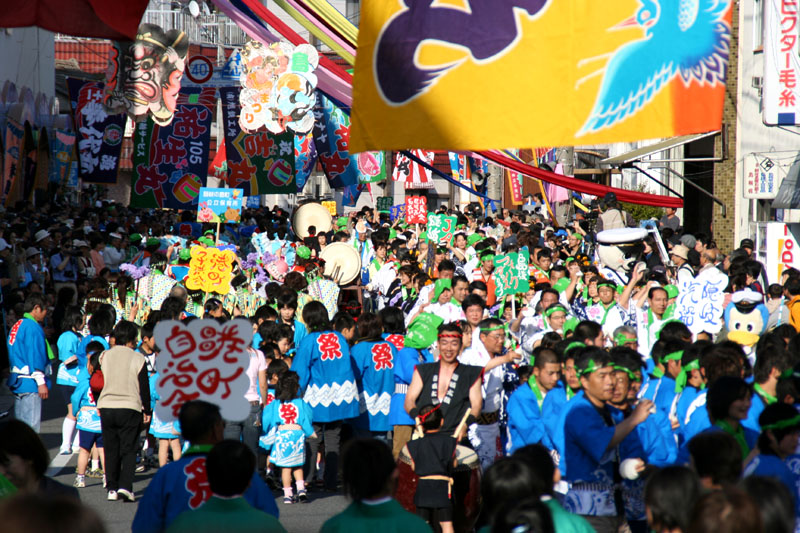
197 482
177 399
224 342
188 121
12 336
397 340
170 152
334 163
259 144
240 172
382 356
270 398
342 138
329 347
150 179
209 380
180 343
288 413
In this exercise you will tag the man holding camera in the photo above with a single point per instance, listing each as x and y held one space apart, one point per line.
64 268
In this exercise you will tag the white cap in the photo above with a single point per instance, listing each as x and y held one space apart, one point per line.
41 234
747 296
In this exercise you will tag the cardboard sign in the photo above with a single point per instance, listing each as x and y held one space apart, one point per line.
416 210
384 203
397 211
210 270
441 226
220 205
330 206
204 360
511 273
700 303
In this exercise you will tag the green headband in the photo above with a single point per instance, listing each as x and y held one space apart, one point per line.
577 236
495 328
591 367
782 424
628 371
674 356
574 344
487 256
621 339
554 309
683 376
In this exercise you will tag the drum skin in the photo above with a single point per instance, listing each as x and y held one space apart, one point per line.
466 488
311 214
342 260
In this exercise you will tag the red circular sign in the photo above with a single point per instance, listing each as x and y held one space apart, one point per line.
199 69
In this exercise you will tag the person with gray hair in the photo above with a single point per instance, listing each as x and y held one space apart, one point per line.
626 336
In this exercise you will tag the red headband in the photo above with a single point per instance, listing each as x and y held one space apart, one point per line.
422 418
450 334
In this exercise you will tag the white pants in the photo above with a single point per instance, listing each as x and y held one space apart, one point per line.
486 442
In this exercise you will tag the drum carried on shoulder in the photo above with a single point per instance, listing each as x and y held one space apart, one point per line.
466 487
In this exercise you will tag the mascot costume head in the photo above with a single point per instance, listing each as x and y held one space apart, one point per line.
746 319
618 251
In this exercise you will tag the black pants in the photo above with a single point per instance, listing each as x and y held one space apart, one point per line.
120 438
330 432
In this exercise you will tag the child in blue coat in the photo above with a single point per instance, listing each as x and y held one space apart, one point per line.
167 433
84 409
287 423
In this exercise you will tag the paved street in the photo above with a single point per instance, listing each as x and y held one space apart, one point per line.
298 518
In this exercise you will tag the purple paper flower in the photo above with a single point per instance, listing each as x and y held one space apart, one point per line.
250 262
261 277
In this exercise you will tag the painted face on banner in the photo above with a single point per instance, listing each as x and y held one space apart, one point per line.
145 76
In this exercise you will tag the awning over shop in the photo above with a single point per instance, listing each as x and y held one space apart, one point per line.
640 153
104 19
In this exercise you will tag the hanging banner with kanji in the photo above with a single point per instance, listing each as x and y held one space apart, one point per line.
441 227
511 273
99 134
305 158
412 174
220 205
210 270
416 210
330 206
453 75
260 162
203 360
171 162
62 145
332 138
459 166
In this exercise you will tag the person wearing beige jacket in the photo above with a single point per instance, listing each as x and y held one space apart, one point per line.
125 396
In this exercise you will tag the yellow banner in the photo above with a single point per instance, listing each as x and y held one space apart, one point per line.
210 270
489 74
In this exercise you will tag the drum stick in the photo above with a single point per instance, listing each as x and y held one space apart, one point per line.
461 424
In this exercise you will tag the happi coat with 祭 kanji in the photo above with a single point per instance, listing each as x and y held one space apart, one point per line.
374 367
325 369
286 426
182 486
28 356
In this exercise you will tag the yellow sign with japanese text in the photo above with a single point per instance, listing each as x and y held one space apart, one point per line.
210 270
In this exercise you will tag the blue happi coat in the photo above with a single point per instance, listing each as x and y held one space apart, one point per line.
325 369
373 363
27 353
182 486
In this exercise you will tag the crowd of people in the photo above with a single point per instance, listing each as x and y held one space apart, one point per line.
580 404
